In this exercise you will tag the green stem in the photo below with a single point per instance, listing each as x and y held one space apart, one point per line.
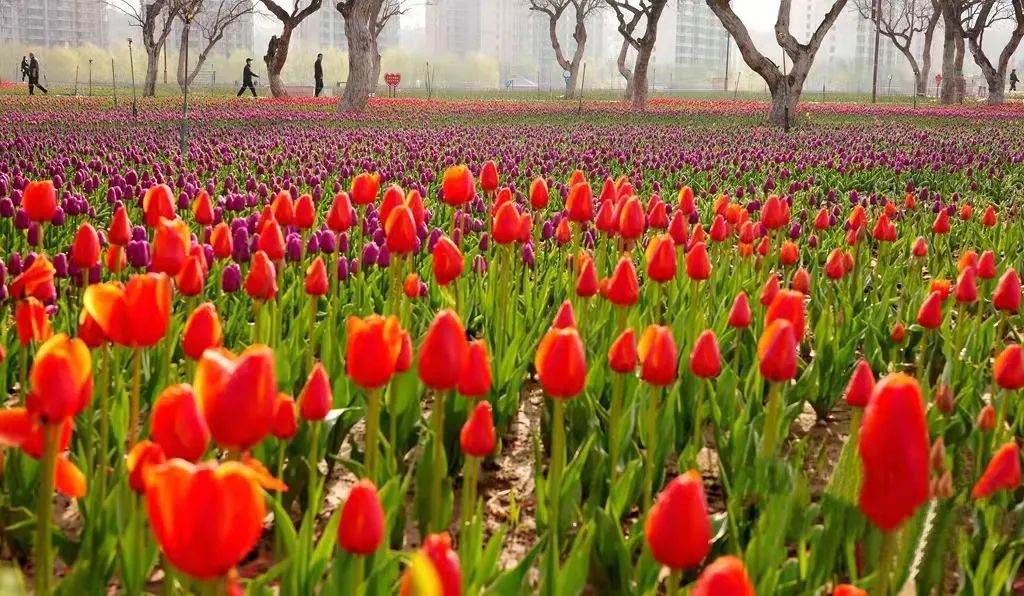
104 421
885 560
357 574
470 473
256 327
650 445
613 424
314 466
44 508
312 328
672 589
555 482
771 421
698 422
133 403
23 372
437 421
372 433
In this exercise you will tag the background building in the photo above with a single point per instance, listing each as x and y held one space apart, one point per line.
238 37
453 26
55 23
702 43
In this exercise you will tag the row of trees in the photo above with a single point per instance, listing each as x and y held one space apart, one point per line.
902 22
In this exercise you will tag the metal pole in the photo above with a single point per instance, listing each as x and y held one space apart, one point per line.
90 77
131 62
113 79
583 81
76 80
876 11
727 48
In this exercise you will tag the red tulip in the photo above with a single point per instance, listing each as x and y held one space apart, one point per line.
835 265
202 331
39 200
929 315
586 281
988 217
171 243
458 185
305 212
177 424
966 287
202 209
220 239
698 266
565 317
622 356
361 528
777 351
987 265
136 315
657 352
505 227
85 249
316 398
478 436
373 348
677 528
61 379
941 224
365 187
789 305
157 204
400 230
740 316
120 231
261 281
143 457
489 177
272 240
286 423
677 229
847 589
898 333
411 286
30 322
339 218
580 202
687 203
661 258
475 378
444 352
404 361
283 209
774 213
894 451
801 281
769 290
25 430
316 283
1008 368
445 562
1007 295
861 385
725 577
631 219
539 193
920 248
789 253
623 287
822 221
447 261
1003 472
561 363
192 277
238 395
705 360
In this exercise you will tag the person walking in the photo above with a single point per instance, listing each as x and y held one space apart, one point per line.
318 74
33 75
24 68
247 79
1013 80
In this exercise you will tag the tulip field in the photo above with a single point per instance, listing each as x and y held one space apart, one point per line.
510 347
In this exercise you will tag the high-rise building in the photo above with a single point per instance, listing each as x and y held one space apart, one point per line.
322 30
55 23
238 36
701 40
453 26
516 36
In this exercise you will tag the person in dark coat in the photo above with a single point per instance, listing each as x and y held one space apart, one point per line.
318 74
24 68
1013 80
247 79
33 75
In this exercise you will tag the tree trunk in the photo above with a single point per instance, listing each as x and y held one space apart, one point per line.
926 52
375 71
360 58
640 87
571 82
784 104
950 91
152 70
182 52
277 54
625 70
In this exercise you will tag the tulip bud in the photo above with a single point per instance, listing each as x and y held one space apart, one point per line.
478 436
361 528
316 397
986 420
943 398
677 529
1003 472
938 456
285 424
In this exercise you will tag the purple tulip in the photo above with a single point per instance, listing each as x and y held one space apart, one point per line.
231 278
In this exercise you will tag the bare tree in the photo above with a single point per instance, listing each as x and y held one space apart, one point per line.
581 9
971 19
785 88
900 21
622 61
629 14
277 49
953 49
360 26
212 18
388 9
154 30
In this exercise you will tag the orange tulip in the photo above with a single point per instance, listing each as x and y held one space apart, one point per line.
136 315
847 589
458 185
374 345
31 322
316 278
144 457
24 430
365 187
661 258
220 239
316 398
39 201
400 229
85 249
36 281
361 529
561 363
725 577
283 209
261 281
687 202
61 379
206 518
115 259
177 424
443 577
171 244
444 352
505 227
238 395
475 378
202 331
678 529
1003 472
789 253
272 240
157 204
657 352
789 305
192 276
777 351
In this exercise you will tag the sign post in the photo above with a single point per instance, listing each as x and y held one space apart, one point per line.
938 83
392 79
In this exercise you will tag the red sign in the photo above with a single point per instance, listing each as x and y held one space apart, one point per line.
392 79
938 78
